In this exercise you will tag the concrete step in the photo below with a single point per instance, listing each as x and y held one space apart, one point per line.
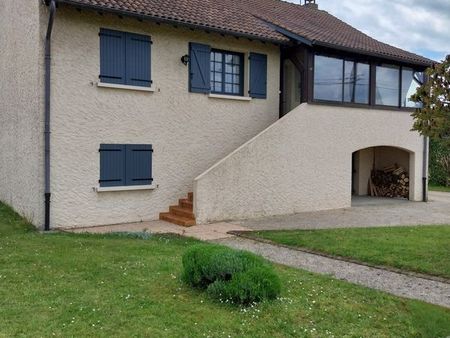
179 220
180 211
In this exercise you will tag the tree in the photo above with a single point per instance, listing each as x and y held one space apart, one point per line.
433 119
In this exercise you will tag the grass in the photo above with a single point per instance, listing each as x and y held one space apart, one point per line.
439 188
424 249
110 285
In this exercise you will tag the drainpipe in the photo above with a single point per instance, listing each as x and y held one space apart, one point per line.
52 4
425 169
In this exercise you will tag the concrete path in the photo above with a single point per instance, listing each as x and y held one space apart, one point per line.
365 212
395 283
208 232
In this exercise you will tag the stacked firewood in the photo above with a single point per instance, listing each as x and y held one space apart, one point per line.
392 181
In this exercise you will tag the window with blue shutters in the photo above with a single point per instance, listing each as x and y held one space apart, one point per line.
125 58
125 165
227 73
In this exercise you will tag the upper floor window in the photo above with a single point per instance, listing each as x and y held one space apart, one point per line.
387 85
125 58
341 81
227 73
411 80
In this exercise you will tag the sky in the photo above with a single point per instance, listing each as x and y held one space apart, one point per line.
419 26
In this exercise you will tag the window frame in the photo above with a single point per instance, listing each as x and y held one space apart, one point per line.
344 60
241 72
373 63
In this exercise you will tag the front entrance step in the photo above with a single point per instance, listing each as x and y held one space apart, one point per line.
181 214
171 218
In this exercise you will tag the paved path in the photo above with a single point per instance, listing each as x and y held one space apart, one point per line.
391 282
208 232
365 212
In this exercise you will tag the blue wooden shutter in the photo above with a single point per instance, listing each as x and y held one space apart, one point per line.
112 165
199 68
139 164
138 60
112 56
258 76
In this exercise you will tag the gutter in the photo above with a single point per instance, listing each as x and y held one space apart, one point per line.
48 54
425 169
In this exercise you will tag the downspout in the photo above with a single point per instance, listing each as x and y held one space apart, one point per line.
425 169
48 53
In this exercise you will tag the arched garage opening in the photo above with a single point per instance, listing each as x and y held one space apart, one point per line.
382 172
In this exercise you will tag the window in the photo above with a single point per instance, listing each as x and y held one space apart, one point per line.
227 73
341 81
125 165
356 82
328 78
411 80
125 58
387 85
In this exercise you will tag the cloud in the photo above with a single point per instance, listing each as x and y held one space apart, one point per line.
419 26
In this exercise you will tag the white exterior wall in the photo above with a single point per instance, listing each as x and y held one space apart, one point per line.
189 132
303 162
21 107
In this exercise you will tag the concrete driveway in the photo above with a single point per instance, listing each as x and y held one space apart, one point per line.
365 212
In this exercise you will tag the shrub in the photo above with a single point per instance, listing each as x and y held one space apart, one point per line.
254 285
439 163
238 276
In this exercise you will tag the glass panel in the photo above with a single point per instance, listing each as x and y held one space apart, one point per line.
410 82
228 58
236 89
218 66
328 78
362 83
218 77
356 82
387 86
236 59
349 82
218 57
228 78
228 88
218 87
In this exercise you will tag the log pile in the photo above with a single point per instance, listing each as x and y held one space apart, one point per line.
392 181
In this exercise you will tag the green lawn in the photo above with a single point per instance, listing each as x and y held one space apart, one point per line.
100 286
424 249
439 188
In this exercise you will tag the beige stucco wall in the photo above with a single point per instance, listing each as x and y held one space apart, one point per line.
189 132
302 163
21 107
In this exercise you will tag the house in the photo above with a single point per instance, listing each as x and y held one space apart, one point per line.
113 110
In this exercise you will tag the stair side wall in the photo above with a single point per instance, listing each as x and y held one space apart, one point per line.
301 163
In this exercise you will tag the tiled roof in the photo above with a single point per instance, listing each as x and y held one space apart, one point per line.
251 17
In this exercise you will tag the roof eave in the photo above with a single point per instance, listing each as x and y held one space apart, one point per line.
373 54
173 22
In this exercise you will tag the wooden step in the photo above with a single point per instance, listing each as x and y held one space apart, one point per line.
185 203
180 211
175 219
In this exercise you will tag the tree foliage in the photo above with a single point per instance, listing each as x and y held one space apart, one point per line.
433 119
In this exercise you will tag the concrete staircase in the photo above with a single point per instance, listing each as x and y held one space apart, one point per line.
181 214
